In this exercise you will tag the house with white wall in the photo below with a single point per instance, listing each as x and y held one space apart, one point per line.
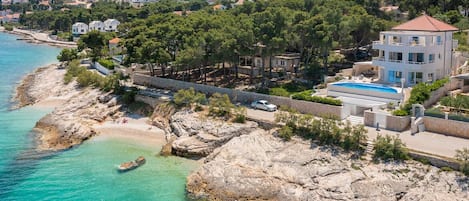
111 25
96 25
79 28
420 50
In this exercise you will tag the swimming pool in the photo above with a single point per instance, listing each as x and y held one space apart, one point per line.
367 87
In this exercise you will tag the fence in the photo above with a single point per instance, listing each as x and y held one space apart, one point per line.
313 108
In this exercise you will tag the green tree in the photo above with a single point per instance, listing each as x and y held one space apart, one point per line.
220 105
94 40
67 55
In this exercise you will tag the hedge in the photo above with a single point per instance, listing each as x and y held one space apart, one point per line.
306 95
107 64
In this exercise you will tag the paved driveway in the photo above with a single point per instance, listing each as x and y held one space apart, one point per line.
260 114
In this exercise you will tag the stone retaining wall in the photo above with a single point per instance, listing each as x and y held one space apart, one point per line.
435 96
393 123
313 108
434 160
446 126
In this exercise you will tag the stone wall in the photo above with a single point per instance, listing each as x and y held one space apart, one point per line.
436 95
397 123
393 123
245 97
434 160
446 126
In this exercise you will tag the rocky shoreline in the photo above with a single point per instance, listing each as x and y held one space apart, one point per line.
240 161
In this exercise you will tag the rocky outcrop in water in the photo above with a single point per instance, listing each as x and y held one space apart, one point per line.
259 166
71 124
198 135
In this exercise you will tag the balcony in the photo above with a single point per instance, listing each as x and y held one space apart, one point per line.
378 58
416 62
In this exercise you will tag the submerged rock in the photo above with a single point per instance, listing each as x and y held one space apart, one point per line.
259 166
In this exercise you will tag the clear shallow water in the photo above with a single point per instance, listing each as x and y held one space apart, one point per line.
84 173
367 86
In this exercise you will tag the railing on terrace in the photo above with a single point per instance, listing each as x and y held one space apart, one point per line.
396 61
451 116
416 62
378 58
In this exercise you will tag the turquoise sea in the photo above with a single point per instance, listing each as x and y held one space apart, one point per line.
84 173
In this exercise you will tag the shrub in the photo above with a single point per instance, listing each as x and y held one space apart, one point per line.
389 148
400 112
421 92
87 78
187 97
68 55
286 133
240 115
279 92
129 96
306 95
462 155
220 105
106 63
8 27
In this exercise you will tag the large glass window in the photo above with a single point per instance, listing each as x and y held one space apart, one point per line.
395 56
431 58
411 77
418 77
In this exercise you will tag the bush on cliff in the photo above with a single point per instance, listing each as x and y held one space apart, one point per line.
388 147
188 97
68 54
220 105
87 78
286 133
327 130
462 155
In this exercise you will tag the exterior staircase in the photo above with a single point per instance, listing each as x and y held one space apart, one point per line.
369 150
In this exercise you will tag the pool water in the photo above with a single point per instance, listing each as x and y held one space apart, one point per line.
367 87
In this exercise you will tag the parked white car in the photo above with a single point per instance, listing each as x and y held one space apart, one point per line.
263 105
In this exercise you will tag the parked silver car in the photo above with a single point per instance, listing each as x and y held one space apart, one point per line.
263 105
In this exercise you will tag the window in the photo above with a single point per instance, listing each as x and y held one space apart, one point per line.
282 62
418 77
430 77
411 77
438 40
431 58
419 57
414 40
395 56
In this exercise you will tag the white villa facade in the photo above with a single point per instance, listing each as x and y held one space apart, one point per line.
420 50
111 25
79 28
97 25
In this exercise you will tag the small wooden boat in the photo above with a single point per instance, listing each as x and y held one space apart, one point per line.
132 164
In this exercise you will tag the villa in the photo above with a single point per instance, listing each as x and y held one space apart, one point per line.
97 25
110 25
420 50
79 28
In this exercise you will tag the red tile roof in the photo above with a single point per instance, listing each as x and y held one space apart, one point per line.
114 41
425 23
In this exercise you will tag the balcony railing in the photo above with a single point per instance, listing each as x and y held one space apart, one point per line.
378 58
395 60
416 62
